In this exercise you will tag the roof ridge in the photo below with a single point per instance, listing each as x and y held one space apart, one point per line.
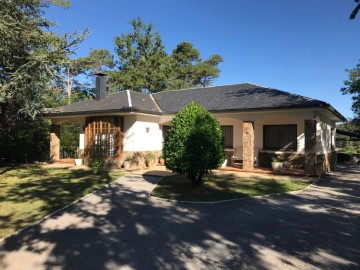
155 103
129 98
198 88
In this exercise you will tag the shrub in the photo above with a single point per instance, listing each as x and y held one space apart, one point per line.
150 156
97 165
194 143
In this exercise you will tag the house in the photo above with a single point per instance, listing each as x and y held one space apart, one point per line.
262 121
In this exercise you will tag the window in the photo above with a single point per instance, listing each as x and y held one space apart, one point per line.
228 136
280 137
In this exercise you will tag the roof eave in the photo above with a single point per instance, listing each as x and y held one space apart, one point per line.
100 112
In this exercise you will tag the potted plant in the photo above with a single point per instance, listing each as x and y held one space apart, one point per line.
78 159
277 164
150 159
161 160
127 162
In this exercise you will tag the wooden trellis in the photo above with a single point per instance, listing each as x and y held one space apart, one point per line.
104 137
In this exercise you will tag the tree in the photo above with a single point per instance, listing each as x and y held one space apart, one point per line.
72 73
66 73
194 143
142 61
352 87
143 64
345 143
355 11
190 70
30 55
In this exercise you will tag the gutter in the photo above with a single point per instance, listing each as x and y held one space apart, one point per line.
100 112
163 113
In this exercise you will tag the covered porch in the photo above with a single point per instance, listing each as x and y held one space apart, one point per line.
303 140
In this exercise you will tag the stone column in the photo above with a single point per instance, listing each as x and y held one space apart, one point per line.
248 145
310 147
54 143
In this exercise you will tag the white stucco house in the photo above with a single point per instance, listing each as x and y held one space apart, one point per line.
262 121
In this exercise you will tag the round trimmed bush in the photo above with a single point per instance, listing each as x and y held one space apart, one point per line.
194 143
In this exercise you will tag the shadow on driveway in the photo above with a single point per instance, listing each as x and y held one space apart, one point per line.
121 226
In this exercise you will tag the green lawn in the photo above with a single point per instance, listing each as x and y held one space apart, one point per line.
27 194
225 186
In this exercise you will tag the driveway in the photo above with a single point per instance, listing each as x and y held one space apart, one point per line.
120 227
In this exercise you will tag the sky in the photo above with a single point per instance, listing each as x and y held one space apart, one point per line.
302 47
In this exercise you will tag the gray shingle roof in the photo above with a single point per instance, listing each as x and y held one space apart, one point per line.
117 102
244 96
237 97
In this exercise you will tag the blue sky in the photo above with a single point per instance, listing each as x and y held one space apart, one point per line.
302 47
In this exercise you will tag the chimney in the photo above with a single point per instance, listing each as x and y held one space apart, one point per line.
100 91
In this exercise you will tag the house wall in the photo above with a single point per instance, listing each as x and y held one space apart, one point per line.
136 138
237 128
325 145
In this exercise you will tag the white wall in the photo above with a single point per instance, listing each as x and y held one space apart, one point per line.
136 136
324 138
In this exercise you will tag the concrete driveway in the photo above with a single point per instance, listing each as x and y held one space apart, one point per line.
122 228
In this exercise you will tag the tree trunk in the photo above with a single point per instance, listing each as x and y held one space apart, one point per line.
199 180
196 179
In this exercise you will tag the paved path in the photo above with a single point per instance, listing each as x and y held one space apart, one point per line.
122 228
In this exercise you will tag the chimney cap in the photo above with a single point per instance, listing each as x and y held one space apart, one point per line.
100 73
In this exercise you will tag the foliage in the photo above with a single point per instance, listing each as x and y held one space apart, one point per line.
189 70
194 143
36 66
142 61
143 64
355 11
97 165
352 87
345 144
24 139
30 55
277 158
129 158
72 72
150 156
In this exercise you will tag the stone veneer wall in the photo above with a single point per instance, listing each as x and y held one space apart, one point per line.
54 143
248 145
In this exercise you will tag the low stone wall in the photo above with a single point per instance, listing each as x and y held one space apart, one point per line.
291 160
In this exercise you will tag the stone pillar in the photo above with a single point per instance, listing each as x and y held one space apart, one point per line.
310 147
248 145
54 143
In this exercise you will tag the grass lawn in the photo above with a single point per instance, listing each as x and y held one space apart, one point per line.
225 186
27 194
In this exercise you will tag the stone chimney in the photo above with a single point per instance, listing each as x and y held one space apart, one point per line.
100 91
